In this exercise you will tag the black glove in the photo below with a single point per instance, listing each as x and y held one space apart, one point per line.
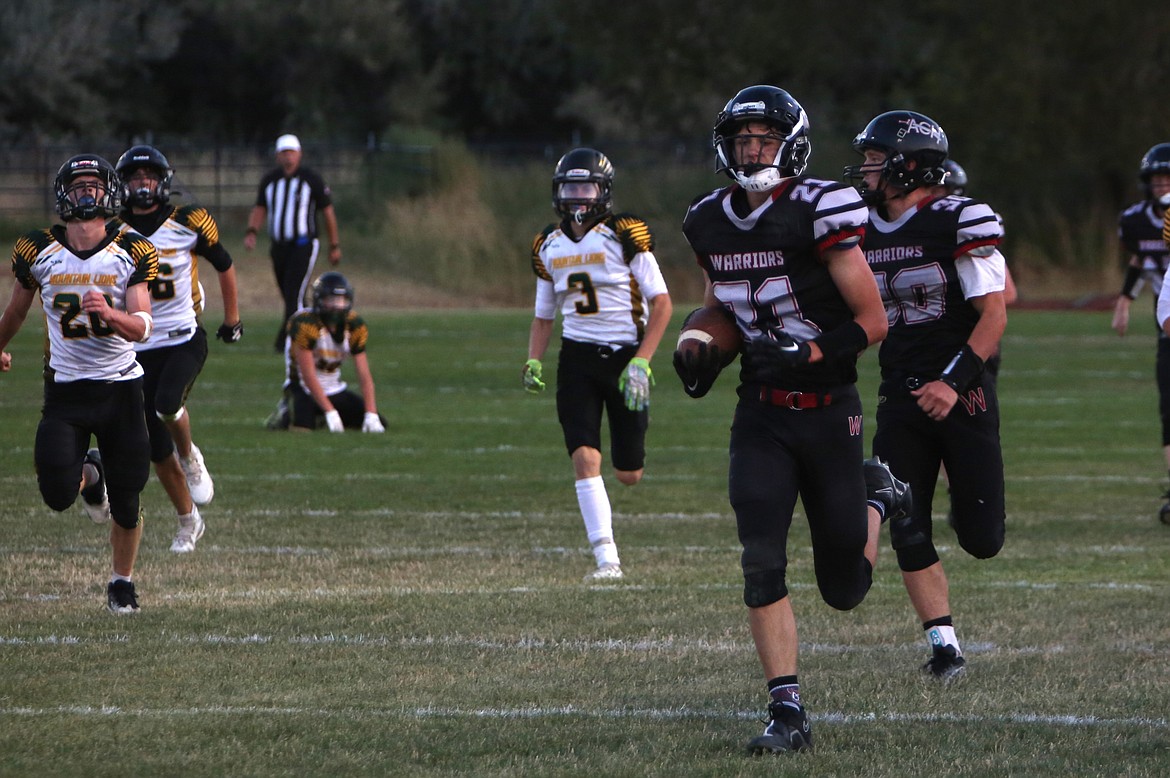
698 369
769 358
230 333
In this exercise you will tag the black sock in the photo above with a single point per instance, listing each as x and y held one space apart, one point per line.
785 689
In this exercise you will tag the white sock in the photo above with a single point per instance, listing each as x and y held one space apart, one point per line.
943 636
118 577
595 510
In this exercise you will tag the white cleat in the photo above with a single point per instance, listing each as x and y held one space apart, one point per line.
605 573
190 530
198 479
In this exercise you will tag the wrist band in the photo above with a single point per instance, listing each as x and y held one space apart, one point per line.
148 320
964 368
1132 274
844 342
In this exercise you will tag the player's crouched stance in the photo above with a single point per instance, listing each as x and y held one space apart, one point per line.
92 283
319 340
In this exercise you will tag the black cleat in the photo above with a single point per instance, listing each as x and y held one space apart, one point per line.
882 487
946 663
93 497
1164 513
121 598
787 730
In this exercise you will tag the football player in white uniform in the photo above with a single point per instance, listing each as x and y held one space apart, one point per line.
92 283
320 339
174 355
598 269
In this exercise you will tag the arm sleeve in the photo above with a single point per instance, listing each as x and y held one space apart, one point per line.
546 300
648 274
980 275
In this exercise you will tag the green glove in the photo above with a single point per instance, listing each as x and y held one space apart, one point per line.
635 382
531 377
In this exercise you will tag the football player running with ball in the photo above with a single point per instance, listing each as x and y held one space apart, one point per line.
598 269
941 280
780 250
177 348
92 281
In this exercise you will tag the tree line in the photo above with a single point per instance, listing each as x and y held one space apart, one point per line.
1048 106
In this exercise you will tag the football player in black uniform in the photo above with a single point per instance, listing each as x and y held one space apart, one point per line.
599 270
780 250
941 279
1139 227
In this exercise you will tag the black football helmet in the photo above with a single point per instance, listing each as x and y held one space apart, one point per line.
83 205
956 180
332 298
149 157
774 106
583 166
1156 160
905 137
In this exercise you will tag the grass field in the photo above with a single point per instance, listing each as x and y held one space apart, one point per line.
412 603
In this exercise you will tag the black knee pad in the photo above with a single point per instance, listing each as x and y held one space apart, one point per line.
917 557
764 588
125 509
844 594
983 546
905 534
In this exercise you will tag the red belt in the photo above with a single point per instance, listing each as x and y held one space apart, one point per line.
797 401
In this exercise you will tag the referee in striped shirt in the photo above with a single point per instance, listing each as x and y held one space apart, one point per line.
289 198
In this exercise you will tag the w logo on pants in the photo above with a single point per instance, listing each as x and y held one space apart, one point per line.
854 426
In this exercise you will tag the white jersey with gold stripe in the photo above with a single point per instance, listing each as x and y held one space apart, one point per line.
176 296
601 283
80 345
307 330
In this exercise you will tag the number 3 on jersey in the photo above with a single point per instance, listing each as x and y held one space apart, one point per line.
584 284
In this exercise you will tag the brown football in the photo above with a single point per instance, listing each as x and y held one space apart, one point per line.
715 326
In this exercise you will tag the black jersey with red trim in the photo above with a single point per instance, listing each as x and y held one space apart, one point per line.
1139 228
913 259
766 266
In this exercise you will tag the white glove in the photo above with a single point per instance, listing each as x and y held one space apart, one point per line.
372 423
333 420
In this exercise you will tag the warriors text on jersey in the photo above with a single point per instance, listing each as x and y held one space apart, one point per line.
1140 230
306 330
928 263
766 266
179 234
80 345
602 282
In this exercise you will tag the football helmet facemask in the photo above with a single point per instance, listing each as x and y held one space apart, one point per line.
1155 161
956 180
776 108
915 147
575 174
150 158
84 200
332 298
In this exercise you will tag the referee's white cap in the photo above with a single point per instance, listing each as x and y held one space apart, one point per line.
288 143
